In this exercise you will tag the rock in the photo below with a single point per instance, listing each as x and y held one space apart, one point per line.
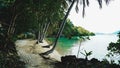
69 58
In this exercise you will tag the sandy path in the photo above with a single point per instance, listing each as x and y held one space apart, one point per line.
29 53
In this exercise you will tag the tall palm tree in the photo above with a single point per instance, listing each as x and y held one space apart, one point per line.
84 3
60 30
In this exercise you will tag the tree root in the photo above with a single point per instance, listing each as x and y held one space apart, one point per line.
45 55
47 46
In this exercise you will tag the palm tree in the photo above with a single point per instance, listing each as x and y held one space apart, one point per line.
84 3
49 12
60 30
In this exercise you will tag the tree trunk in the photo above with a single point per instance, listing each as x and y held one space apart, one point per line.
11 22
45 30
37 34
41 34
60 30
12 30
42 31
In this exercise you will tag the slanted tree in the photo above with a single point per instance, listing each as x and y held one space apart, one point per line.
84 3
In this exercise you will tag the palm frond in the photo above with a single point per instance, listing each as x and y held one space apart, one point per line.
107 1
81 1
87 2
84 5
70 1
100 3
65 5
76 8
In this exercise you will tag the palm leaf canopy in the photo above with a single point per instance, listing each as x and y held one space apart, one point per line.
85 3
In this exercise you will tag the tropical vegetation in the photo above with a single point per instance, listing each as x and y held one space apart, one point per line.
114 48
36 19
69 31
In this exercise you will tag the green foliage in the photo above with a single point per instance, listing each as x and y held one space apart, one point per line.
84 32
71 30
26 23
30 13
21 17
26 35
8 60
8 53
86 54
6 3
115 47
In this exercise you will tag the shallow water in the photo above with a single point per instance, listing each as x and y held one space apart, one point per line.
97 44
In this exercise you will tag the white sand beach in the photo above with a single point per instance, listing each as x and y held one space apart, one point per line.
29 53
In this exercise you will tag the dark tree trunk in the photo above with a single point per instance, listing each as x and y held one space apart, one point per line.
39 29
39 34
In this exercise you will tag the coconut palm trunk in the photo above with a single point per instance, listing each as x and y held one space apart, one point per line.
39 32
60 30
84 2
44 30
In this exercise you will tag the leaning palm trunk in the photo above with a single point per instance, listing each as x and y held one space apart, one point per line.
60 30
84 2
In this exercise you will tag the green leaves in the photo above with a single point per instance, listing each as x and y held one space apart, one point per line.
86 54
6 3
85 3
114 48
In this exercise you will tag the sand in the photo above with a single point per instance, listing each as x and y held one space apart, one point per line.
29 53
